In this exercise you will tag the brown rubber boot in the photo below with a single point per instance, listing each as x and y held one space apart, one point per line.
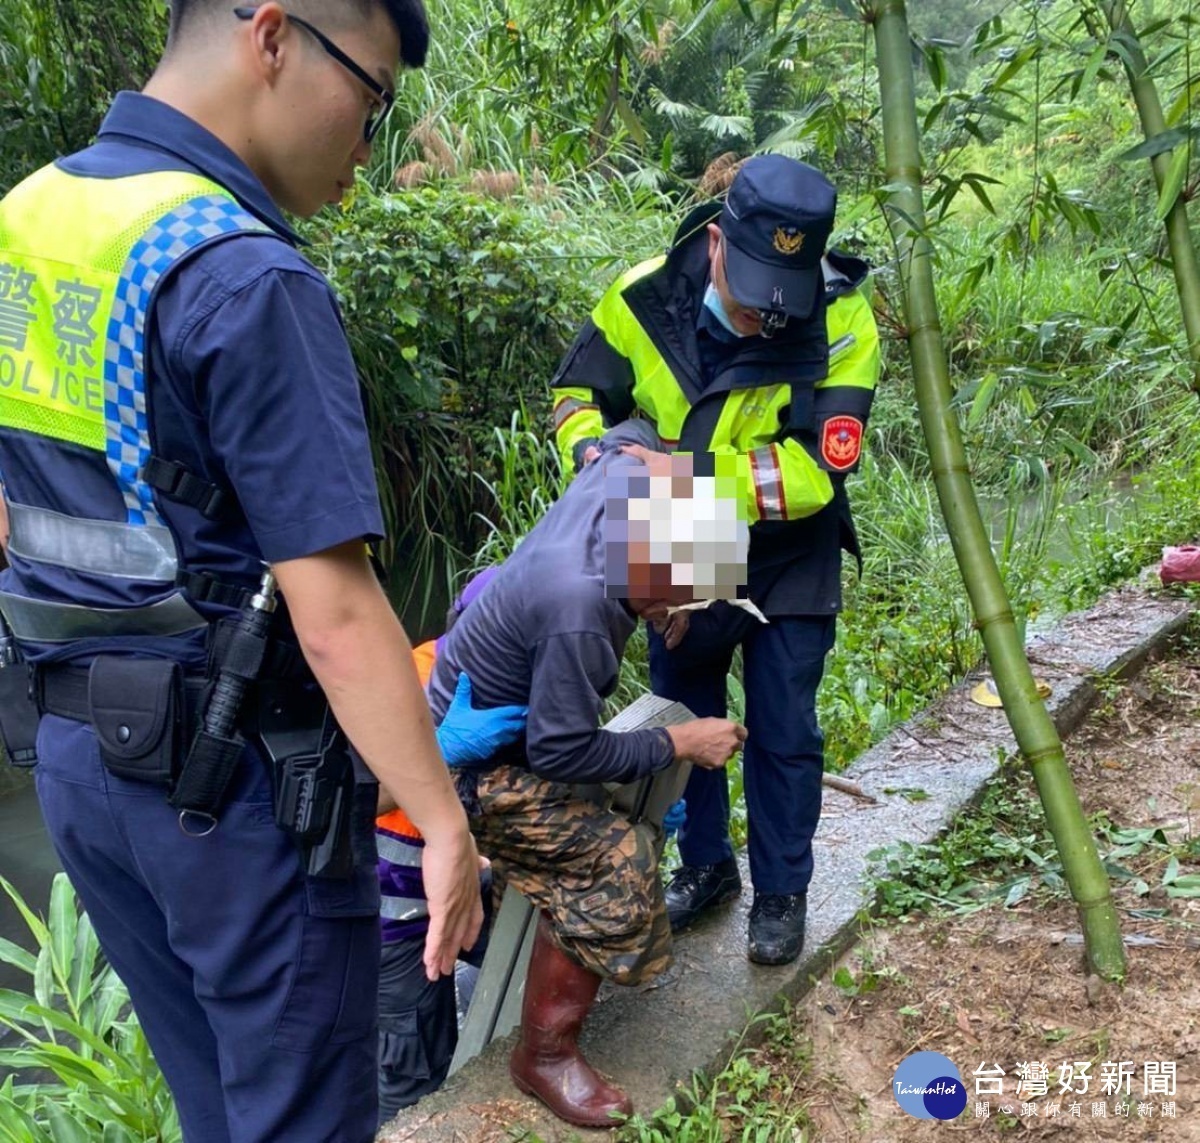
546 1063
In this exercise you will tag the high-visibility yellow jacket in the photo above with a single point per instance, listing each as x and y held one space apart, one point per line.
792 408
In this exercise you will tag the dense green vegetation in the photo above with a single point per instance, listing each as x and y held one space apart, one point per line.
546 146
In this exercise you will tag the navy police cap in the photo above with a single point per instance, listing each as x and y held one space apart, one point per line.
777 218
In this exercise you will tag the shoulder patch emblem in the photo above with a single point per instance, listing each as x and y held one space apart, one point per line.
841 442
788 241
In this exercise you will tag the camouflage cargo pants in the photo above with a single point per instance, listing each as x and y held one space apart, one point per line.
594 875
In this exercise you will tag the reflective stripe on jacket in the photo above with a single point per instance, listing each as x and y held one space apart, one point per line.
403 909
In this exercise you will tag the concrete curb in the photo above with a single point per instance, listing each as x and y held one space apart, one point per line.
653 1039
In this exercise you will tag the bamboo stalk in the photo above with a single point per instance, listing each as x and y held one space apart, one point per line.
1031 724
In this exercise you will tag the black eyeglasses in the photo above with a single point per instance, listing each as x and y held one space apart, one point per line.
386 98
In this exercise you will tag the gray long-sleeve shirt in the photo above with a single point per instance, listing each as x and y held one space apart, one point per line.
543 633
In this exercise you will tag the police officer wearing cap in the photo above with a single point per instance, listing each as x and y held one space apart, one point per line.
187 411
748 337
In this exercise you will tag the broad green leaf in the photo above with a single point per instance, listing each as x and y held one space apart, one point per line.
18 1126
18 957
1172 184
64 1129
69 1066
105 1104
64 1023
1017 892
117 1133
64 920
36 926
83 965
43 977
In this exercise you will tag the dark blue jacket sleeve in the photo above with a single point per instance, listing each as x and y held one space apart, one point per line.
572 674
277 388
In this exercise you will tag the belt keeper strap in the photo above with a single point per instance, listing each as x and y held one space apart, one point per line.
206 772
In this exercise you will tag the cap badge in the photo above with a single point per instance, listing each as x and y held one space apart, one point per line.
788 241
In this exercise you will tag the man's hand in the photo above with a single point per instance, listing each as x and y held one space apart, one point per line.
591 453
707 742
450 869
673 628
469 735
659 463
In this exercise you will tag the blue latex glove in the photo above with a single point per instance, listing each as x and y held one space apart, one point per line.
674 818
468 736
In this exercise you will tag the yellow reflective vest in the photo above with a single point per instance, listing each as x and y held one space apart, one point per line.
80 259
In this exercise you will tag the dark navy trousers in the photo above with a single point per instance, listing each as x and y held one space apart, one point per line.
783 759
256 986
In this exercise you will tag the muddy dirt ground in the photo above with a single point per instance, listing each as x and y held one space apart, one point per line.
1007 986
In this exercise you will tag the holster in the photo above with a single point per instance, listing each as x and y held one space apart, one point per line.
19 715
325 796
138 710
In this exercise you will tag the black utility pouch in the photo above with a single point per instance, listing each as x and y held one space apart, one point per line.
19 715
137 708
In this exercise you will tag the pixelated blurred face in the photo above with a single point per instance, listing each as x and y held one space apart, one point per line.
672 538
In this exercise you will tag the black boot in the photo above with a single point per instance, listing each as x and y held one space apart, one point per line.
777 927
695 888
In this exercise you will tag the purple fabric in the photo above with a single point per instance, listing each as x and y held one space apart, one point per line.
397 880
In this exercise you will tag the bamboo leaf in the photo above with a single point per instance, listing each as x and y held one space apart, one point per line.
1184 101
1172 184
982 400
1155 145
1087 76
632 123
975 182
935 63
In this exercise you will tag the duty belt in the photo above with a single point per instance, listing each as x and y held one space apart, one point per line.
63 691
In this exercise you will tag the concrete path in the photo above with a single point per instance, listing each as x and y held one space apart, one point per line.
652 1039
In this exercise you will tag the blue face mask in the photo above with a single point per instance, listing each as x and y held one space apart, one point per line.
712 302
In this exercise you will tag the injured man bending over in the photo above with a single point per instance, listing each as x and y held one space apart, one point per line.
628 540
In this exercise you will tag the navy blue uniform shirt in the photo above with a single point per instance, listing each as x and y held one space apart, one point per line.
250 380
